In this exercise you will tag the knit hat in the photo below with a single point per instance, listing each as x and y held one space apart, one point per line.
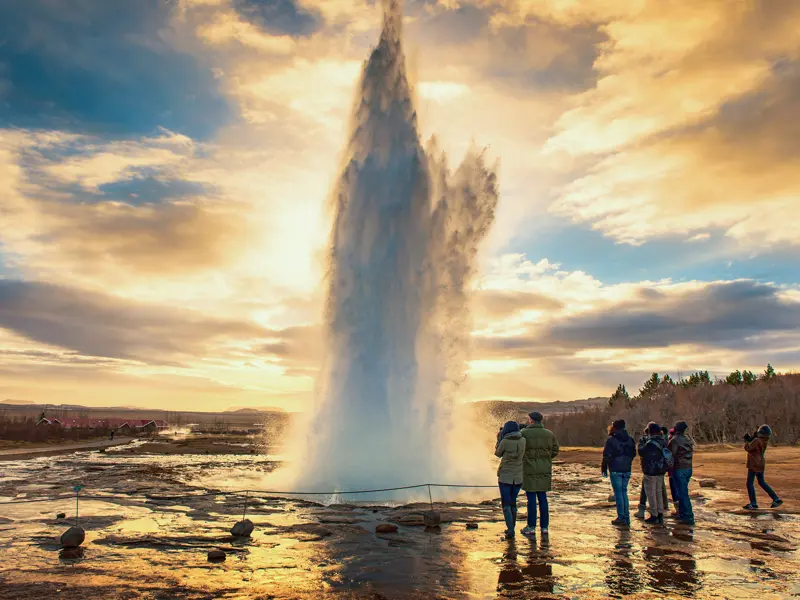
619 424
653 428
509 427
536 416
681 426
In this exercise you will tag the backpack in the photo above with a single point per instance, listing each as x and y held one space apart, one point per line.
667 458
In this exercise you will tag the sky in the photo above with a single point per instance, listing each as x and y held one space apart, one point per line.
166 167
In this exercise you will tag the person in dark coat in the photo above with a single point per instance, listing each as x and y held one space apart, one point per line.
756 447
682 448
651 449
618 455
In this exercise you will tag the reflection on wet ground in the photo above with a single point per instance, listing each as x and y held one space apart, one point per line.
151 520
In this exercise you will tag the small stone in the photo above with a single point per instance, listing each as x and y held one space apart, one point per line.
472 525
612 498
61 516
386 528
216 556
432 518
242 528
73 537
70 553
707 483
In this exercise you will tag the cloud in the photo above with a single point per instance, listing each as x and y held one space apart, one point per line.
280 16
690 128
111 68
101 325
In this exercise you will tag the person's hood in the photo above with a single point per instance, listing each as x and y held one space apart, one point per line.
514 435
765 431
621 434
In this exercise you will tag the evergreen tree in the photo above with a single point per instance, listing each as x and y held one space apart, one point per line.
620 395
734 378
650 388
768 374
749 378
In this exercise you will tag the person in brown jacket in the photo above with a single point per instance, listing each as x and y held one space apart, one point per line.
756 447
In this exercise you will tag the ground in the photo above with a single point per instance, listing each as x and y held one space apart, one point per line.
151 517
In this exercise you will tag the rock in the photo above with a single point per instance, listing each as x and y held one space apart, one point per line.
707 483
242 528
412 520
432 518
216 556
70 553
472 525
612 498
386 528
61 516
73 537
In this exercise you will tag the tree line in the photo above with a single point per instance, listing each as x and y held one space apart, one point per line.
719 411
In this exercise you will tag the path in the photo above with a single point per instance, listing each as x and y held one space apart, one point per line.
26 452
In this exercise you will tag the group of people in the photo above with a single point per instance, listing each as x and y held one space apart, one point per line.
526 463
662 452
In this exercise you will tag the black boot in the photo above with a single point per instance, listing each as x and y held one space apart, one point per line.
660 518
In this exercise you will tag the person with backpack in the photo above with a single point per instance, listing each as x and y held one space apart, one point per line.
756 447
682 448
656 461
618 455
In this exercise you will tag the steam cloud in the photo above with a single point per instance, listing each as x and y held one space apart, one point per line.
402 254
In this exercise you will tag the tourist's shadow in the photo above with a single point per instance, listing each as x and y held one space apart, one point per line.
621 576
530 569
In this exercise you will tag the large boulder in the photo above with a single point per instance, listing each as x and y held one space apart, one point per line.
386 528
73 537
242 528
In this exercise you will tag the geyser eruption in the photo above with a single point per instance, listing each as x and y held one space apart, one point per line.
403 251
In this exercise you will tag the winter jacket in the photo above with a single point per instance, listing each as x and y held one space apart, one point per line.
618 453
541 447
650 448
682 448
511 450
756 450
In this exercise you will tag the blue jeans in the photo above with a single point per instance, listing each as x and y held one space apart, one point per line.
673 487
751 489
681 479
509 493
619 483
544 509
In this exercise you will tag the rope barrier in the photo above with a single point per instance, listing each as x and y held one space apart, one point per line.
248 493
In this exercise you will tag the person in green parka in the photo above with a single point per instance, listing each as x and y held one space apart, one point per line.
541 447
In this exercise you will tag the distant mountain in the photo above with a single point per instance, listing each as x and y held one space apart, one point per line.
16 402
254 411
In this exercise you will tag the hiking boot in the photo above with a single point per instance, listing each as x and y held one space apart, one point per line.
653 520
777 503
660 518
750 506
545 531
640 514
620 523
529 530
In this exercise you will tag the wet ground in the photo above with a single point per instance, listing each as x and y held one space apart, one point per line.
151 520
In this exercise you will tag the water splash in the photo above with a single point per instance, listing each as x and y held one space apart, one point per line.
403 252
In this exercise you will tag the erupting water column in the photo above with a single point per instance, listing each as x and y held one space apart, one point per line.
403 251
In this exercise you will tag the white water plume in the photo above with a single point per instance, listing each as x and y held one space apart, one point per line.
402 255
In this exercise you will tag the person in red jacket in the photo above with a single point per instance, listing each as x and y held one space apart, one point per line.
756 447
